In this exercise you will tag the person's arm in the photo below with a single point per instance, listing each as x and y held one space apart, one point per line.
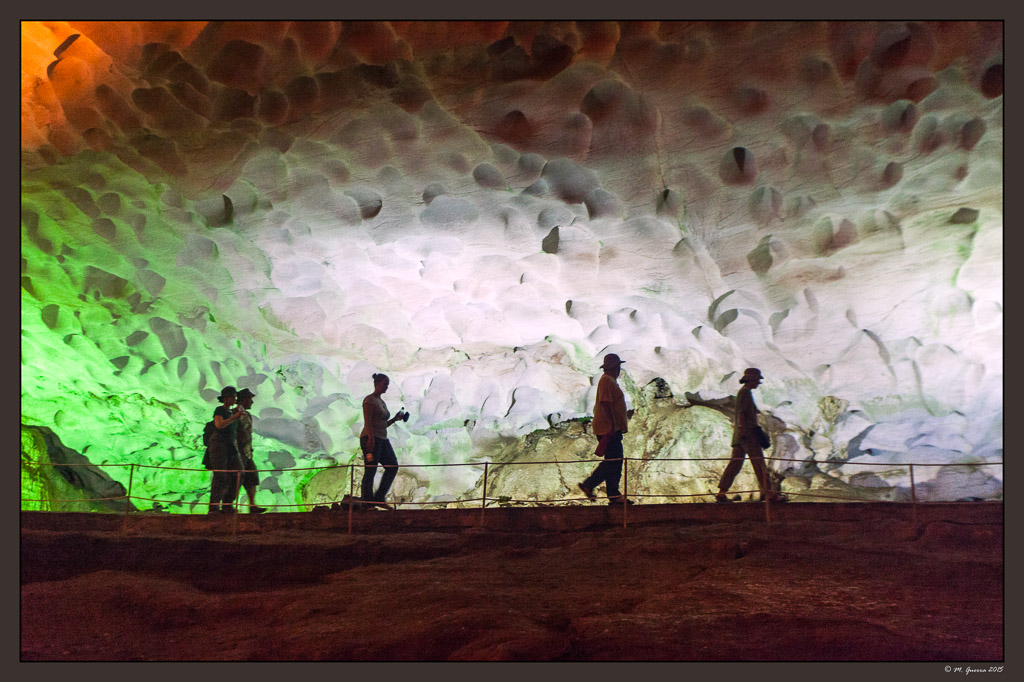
746 413
222 422
368 417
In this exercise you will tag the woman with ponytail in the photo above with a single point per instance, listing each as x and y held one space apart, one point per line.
375 444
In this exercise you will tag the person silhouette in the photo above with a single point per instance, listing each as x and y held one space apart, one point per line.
224 458
250 478
610 422
746 441
374 443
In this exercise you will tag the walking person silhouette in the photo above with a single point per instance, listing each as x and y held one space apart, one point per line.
610 422
746 441
374 443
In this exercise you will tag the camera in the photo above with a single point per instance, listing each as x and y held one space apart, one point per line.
403 415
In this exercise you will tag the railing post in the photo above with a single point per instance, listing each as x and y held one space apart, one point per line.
766 487
128 497
625 488
238 489
351 493
483 494
913 493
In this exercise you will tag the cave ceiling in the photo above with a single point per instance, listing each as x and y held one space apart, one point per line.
481 210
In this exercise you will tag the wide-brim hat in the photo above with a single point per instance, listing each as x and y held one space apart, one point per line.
227 390
245 393
751 373
612 360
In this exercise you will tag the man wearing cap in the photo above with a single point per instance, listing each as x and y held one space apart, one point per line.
610 422
250 479
745 439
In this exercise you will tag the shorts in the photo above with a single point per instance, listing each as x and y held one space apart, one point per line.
250 478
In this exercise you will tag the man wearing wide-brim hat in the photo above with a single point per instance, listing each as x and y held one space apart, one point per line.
746 440
610 422
250 478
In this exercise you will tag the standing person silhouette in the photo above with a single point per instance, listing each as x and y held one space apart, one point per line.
746 441
374 443
224 458
610 422
250 479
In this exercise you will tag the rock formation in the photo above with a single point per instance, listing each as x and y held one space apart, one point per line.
483 209
56 478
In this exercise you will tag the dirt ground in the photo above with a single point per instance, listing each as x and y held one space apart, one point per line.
823 590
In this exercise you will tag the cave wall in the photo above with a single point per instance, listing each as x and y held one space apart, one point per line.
483 209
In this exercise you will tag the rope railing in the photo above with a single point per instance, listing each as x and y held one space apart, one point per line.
351 501
549 461
79 499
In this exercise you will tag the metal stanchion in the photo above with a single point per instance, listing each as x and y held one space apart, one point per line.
483 495
625 488
351 493
128 498
913 493
238 487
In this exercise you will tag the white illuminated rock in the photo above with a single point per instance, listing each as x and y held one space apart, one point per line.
484 225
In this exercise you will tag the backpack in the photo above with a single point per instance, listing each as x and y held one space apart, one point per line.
207 434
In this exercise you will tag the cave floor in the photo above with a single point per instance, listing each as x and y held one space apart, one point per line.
684 582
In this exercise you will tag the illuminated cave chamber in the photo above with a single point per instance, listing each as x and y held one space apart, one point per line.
481 210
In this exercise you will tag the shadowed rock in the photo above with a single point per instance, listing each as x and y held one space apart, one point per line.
760 259
738 167
239 64
486 175
964 216
568 181
992 81
550 243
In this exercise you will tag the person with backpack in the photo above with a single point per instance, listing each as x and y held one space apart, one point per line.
250 479
748 440
223 451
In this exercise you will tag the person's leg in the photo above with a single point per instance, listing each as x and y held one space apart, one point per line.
588 483
216 492
250 481
369 471
756 455
234 480
250 492
386 455
219 484
595 478
731 469
598 476
613 458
